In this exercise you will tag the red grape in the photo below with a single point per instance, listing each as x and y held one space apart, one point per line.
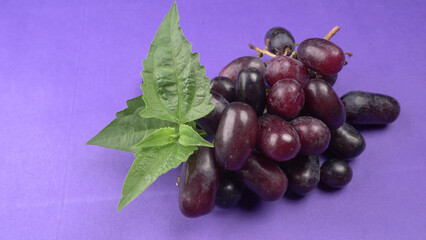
314 135
236 135
250 89
286 99
224 86
231 70
303 173
280 39
323 103
336 173
210 122
346 142
282 67
199 181
320 55
263 177
277 139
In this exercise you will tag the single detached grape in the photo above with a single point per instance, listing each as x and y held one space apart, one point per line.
346 142
286 99
210 122
264 177
314 135
231 70
303 173
336 173
323 103
236 135
370 108
280 39
199 181
250 89
224 86
320 55
229 191
282 67
277 139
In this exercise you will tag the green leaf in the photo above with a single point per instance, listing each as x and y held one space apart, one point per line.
150 163
189 137
175 86
128 128
161 137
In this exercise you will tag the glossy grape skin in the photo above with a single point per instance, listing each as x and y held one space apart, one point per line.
250 89
286 99
303 173
280 39
210 122
198 184
231 70
277 139
331 79
229 191
322 56
264 177
346 142
236 135
323 103
370 108
282 67
314 135
224 86
336 173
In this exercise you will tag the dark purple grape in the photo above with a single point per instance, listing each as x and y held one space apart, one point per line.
346 142
263 177
320 55
303 173
210 122
277 139
323 103
229 191
282 67
231 70
314 135
370 108
236 135
250 89
280 39
199 181
286 99
224 86
336 173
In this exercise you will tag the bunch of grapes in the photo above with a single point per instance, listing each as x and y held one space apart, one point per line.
271 121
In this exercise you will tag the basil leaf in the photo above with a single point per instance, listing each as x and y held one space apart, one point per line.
150 163
128 128
161 137
175 86
189 137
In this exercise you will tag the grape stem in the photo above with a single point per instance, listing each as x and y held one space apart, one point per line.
261 52
178 181
332 33
350 54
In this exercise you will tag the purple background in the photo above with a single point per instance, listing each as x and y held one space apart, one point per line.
66 67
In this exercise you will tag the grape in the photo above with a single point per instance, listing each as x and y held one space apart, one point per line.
303 173
314 135
336 173
229 191
280 39
370 108
331 79
282 67
210 122
346 142
320 55
286 99
323 103
199 181
263 177
224 86
231 70
236 135
250 89
277 139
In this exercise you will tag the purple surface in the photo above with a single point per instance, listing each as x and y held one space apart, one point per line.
66 67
